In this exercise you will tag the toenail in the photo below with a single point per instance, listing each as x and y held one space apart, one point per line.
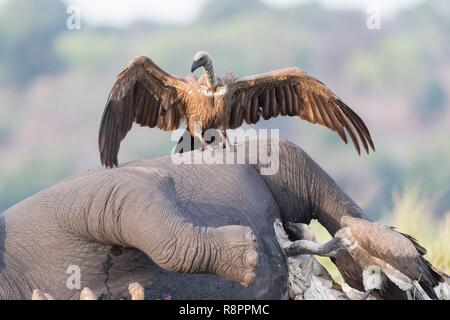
251 258
248 279
250 236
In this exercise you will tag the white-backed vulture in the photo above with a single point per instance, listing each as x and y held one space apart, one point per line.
145 94
394 259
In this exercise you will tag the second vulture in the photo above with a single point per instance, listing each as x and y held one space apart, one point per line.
145 94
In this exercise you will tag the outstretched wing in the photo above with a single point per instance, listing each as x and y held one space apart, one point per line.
292 92
144 94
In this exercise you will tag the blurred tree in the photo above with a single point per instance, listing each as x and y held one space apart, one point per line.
395 63
91 51
30 176
432 102
215 10
27 32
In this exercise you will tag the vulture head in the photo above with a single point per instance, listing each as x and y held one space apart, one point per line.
201 59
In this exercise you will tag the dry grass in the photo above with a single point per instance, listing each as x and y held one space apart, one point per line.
416 215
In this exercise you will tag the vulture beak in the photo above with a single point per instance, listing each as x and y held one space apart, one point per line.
195 65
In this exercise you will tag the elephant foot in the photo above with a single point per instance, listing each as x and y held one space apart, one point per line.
237 256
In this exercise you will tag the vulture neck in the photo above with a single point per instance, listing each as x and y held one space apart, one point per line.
210 78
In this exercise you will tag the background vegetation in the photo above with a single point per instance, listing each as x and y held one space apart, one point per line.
54 83
413 214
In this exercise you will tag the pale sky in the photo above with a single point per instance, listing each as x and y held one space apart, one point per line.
121 12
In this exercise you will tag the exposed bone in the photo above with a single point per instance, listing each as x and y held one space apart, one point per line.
87 294
137 291
308 279
354 294
443 291
373 278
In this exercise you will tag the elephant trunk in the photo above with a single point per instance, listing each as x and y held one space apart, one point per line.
304 191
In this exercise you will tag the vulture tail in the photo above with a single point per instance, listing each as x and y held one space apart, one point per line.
430 279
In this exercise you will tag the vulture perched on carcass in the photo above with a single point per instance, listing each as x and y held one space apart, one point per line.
377 259
145 94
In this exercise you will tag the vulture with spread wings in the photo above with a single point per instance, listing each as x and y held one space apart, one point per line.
145 94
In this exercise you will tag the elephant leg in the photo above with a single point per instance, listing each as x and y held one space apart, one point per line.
153 223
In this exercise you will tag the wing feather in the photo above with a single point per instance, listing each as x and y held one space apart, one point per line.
145 94
288 98
320 106
292 92
349 129
315 109
266 105
295 101
281 99
255 110
356 126
275 110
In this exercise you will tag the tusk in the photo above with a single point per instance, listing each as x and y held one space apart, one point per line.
87 294
137 292
40 295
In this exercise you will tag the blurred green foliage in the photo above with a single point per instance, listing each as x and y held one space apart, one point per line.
27 33
380 67
54 83
432 103
35 173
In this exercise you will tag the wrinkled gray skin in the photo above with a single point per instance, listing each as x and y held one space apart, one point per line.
148 220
